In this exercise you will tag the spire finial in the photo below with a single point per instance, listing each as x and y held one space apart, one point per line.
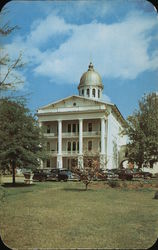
90 67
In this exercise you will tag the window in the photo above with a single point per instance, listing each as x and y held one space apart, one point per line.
69 128
69 146
82 91
48 163
89 145
93 92
48 129
78 127
48 146
98 93
78 146
88 92
89 127
74 104
57 146
74 146
74 128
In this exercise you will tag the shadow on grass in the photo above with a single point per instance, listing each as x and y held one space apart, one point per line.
18 185
77 189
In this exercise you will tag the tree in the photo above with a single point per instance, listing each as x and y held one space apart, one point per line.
9 78
89 172
21 141
143 133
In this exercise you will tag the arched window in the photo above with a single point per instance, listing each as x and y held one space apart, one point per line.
69 146
82 91
88 92
93 92
74 146
98 93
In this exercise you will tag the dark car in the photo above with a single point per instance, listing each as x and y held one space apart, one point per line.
125 174
40 175
63 175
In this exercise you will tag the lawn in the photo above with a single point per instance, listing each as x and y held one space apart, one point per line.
63 215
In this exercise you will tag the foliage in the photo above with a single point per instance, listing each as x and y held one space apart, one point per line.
113 184
9 77
143 133
20 138
89 172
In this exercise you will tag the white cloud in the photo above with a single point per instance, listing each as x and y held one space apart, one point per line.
118 50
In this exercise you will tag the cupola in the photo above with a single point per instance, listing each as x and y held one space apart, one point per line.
91 84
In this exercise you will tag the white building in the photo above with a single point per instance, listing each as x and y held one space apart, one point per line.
82 125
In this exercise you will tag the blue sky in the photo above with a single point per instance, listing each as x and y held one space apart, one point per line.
59 38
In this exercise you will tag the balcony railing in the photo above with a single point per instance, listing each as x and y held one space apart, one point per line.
73 134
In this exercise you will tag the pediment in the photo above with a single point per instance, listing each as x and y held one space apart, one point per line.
72 102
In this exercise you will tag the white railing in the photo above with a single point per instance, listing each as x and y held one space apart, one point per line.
72 134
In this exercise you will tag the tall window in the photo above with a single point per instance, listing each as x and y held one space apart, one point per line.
48 129
78 146
89 145
89 127
98 93
88 92
82 91
74 146
48 146
48 163
69 128
74 128
69 146
93 92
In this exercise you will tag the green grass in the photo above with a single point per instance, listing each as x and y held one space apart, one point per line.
63 215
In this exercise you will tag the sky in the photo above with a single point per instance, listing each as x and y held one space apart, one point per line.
58 39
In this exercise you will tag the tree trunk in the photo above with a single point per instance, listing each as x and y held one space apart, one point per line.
86 186
13 172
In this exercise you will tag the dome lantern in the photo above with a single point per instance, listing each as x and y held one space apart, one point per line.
90 84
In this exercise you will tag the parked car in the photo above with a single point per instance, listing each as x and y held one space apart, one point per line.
138 173
40 175
125 174
112 174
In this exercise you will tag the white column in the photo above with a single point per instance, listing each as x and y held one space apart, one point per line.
80 136
103 135
102 153
90 91
59 157
80 158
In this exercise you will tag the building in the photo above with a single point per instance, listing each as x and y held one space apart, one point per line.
82 125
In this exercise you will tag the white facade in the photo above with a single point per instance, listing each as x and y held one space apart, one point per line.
83 125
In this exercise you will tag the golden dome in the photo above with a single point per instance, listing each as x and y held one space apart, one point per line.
90 78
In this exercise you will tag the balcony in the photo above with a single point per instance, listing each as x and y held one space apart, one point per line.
50 135
73 134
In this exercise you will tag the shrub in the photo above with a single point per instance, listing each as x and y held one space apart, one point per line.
113 184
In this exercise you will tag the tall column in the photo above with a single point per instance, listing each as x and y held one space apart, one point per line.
59 157
80 157
102 153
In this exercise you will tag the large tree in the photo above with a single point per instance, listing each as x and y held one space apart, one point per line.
9 76
142 131
20 137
